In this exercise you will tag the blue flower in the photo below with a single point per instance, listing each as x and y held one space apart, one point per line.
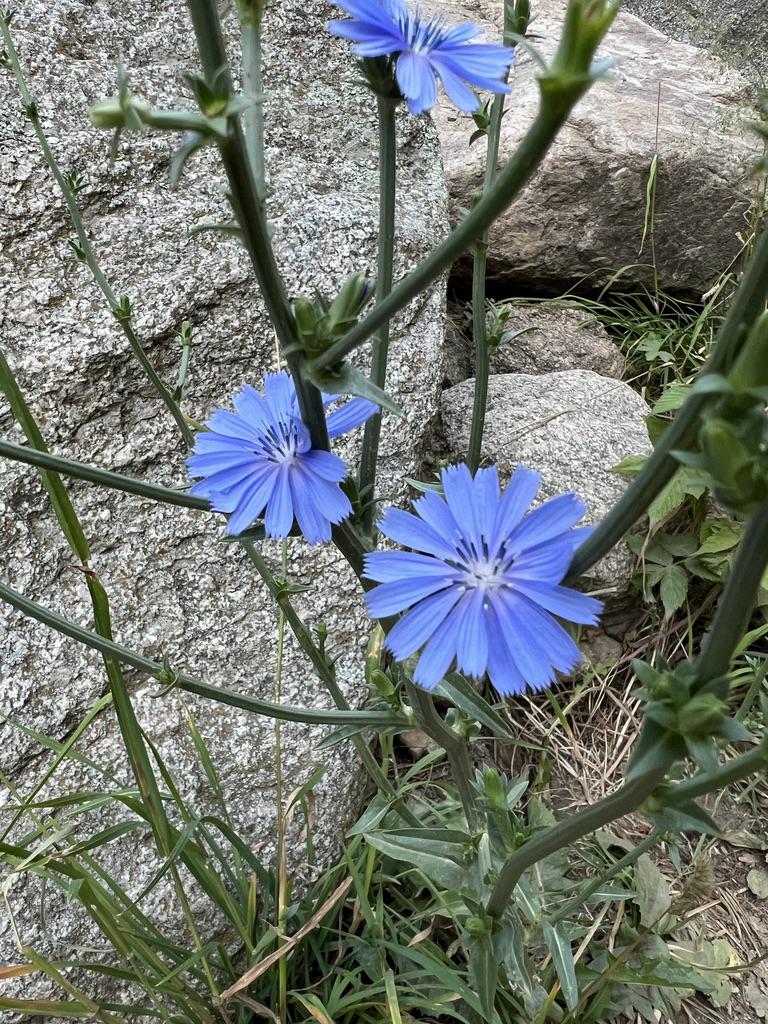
424 49
261 458
487 585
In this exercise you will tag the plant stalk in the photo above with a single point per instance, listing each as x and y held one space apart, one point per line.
387 190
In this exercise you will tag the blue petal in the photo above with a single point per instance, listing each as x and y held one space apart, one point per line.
279 518
554 517
483 64
417 625
412 532
331 501
250 505
458 93
460 496
350 415
388 566
225 479
231 425
547 562
209 441
252 407
486 499
433 510
459 34
562 601
471 634
548 641
314 524
390 598
502 670
280 395
519 627
417 81
515 502
199 464
325 464
438 654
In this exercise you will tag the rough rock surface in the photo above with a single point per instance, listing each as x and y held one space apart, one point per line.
582 214
175 589
573 427
555 337
736 30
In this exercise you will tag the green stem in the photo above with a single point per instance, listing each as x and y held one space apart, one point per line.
387 188
325 672
85 246
553 112
651 840
479 327
104 477
738 768
253 89
250 216
455 749
737 602
627 799
365 719
747 305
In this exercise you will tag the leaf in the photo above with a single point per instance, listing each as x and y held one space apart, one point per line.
348 380
466 698
723 534
652 893
673 398
630 466
440 853
673 589
757 880
559 945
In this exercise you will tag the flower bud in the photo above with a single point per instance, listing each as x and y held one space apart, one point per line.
703 715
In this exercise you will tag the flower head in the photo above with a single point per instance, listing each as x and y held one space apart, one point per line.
260 457
423 50
483 582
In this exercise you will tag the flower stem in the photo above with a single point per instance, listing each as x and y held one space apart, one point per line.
387 188
253 90
455 749
737 768
737 602
553 112
249 213
747 305
557 837
479 327
365 719
85 252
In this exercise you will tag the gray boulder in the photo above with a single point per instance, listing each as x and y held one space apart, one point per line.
573 427
736 30
175 589
582 215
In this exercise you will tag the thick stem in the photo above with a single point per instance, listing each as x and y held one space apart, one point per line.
249 213
387 190
479 327
553 113
747 305
253 89
627 799
737 602
455 750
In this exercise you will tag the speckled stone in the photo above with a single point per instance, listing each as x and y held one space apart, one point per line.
175 589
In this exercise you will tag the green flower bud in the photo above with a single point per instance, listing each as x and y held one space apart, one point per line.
703 715
107 114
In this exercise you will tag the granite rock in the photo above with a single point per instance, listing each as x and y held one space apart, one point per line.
581 217
175 589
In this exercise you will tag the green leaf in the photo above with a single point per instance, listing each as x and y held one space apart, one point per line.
630 466
440 853
466 698
721 535
348 380
559 945
673 588
673 398
485 972
651 892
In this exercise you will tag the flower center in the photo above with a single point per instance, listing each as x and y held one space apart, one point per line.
482 572
285 442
